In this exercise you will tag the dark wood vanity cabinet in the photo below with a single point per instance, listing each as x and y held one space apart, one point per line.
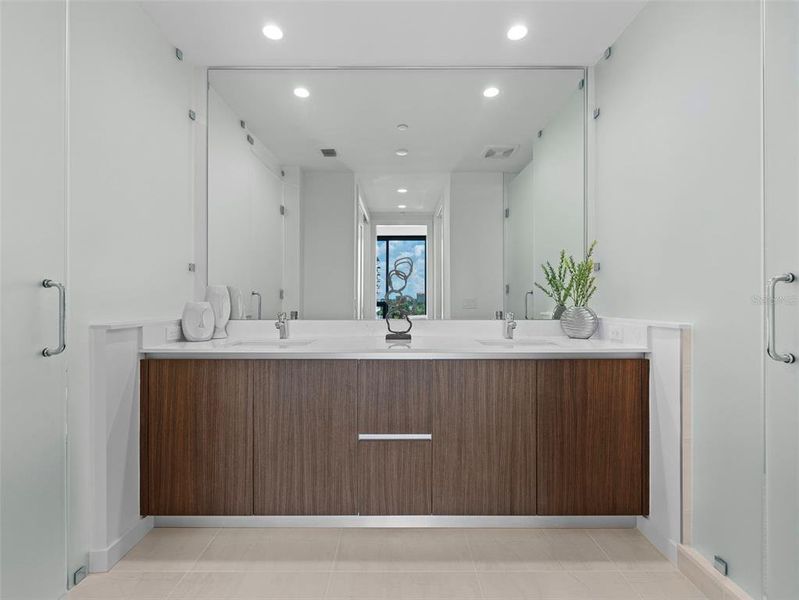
484 437
305 437
454 437
593 437
196 437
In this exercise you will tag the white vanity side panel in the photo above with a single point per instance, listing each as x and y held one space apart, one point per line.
117 525
663 525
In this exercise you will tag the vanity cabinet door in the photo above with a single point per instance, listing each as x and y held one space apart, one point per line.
305 437
484 437
593 430
196 437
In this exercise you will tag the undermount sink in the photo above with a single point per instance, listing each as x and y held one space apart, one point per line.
272 343
517 342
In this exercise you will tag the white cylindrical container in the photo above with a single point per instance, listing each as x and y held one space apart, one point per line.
197 321
219 298
238 308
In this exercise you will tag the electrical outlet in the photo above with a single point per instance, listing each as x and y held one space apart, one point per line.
173 333
469 303
616 333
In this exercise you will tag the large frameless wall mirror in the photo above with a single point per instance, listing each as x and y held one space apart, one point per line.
333 191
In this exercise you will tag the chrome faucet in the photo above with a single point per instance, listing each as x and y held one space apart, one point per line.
509 326
282 324
254 293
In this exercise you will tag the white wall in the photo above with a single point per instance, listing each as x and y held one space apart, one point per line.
245 192
476 205
678 223
131 211
328 245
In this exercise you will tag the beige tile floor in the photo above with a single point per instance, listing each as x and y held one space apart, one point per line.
387 564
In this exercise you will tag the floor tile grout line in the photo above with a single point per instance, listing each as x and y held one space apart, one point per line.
194 564
333 564
639 594
601 549
474 565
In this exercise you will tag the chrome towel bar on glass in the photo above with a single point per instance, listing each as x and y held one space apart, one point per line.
371 437
62 317
771 324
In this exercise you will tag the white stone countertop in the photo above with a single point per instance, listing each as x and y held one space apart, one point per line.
376 347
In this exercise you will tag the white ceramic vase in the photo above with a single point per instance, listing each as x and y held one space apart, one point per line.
219 298
238 309
197 321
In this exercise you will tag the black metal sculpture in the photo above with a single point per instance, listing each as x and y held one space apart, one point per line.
396 300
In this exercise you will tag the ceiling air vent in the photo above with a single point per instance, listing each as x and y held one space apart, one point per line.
329 152
496 152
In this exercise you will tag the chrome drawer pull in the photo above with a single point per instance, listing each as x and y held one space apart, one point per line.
371 437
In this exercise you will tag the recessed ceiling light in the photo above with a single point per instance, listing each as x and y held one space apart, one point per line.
402 191
491 92
401 206
401 152
402 127
517 32
301 92
272 32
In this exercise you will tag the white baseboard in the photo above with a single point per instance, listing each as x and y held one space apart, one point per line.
101 561
709 581
667 547
404 521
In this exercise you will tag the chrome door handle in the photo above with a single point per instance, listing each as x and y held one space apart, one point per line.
62 317
771 325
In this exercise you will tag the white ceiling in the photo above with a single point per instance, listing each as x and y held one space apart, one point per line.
425 190
397 33
392 32
356 112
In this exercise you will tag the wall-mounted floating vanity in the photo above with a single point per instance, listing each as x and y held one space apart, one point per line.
442 426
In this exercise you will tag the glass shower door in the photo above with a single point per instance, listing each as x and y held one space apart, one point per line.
781 257
33 47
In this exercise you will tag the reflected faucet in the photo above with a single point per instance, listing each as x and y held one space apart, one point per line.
282 324
258 313
509 326
526 295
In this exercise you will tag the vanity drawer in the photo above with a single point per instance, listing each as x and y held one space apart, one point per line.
394 396
394 477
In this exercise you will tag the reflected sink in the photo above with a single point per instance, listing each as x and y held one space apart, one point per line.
272 343
517 342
